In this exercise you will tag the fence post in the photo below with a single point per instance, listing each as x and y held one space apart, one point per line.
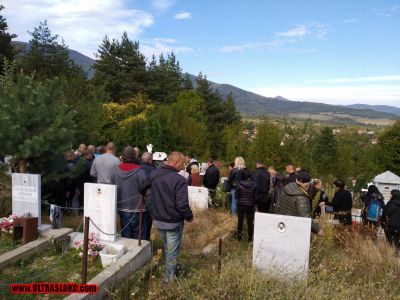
140 221
219 255
85 250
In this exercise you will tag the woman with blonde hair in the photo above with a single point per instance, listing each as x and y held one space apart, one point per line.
238 173
194 176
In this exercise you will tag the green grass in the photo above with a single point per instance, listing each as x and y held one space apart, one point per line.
343 265
50 266
7 244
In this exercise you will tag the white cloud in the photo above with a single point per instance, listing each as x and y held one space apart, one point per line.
313 30
298 31
371 94
183 16
158 46
81 23
162 5
361 79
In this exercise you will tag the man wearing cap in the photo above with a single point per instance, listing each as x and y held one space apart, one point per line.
294 200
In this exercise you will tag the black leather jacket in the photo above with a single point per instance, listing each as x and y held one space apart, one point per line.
236 176
246 193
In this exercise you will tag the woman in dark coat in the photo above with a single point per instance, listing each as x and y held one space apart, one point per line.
392 212
373 193
238 173
342 203
246 201
277 189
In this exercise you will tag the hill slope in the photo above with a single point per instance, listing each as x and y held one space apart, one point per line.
254 105
380 108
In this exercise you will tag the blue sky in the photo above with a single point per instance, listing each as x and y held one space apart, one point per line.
338 52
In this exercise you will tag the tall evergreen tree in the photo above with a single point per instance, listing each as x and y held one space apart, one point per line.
120 68
46 56
219 114
165 79
388 150
35 126
325 153
6 49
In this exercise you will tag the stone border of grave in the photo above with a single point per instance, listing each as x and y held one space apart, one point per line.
213 246
47 238
134 258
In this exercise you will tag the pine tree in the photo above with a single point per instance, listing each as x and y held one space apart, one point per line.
165 79
35 127
388 151
216 112
120 68
325 153
46 57
232 116
6 49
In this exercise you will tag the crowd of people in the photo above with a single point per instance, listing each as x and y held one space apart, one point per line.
159 196
156 196
296 194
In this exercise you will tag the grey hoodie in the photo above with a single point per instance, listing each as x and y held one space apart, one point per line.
131 185
293 201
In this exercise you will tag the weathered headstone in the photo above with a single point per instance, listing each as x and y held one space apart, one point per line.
100 204
26 195
281 245
198 197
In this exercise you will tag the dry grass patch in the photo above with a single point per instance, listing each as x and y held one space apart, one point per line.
206 227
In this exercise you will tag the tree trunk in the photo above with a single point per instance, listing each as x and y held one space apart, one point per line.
22 166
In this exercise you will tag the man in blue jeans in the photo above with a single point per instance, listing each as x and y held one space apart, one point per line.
169 208
132 182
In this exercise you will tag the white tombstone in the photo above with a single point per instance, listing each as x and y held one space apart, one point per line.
281 245
203 168
198 197
149 148
386 182
26 195
100 204
7 162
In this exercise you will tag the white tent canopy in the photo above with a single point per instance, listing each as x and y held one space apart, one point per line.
387 177
386 182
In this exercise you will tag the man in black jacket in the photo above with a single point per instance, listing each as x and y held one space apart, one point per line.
169 208
262 179
211 177
294 201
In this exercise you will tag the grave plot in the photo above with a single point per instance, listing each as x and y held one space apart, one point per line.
49 266
342 265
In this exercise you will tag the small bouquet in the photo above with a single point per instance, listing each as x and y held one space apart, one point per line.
94 247
7 224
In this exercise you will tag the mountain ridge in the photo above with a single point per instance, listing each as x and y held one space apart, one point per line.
254 105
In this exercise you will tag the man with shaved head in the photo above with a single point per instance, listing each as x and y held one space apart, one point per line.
104 166
169 208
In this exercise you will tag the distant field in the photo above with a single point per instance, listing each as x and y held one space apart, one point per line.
342 118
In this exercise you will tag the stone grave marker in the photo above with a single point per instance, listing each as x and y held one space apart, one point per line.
198 197
100 204
281 245
26 195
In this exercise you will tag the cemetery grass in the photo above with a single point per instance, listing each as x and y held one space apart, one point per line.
6 243
50 266
343 265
